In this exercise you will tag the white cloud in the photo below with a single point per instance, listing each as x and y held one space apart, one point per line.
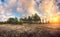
4 9
24 7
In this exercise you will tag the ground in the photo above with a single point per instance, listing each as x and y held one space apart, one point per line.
31 30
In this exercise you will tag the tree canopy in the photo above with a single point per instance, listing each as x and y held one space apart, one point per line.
30 19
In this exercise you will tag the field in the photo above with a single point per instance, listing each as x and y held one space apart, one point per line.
35 30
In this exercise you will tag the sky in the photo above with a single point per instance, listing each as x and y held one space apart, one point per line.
23 8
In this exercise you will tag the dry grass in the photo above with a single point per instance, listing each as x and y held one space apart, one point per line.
35 30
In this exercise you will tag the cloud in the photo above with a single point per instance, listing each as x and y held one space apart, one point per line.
25 8
28 5
4 10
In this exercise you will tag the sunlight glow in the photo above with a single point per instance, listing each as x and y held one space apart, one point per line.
54 20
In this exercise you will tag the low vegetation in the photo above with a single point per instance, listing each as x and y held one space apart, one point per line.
28 31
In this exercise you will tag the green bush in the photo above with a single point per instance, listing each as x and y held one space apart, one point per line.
20 22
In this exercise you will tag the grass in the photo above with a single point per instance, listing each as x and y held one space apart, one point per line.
26 30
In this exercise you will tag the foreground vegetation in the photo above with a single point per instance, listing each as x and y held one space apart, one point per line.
28 31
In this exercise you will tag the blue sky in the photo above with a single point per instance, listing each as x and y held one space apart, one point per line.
3 1
16 15
20 8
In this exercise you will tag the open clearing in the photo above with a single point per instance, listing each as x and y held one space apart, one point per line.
31 30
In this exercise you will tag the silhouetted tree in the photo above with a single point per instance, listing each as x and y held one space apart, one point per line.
36 18
12 21
30 20
16 21
24 20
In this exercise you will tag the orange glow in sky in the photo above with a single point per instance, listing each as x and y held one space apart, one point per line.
55 20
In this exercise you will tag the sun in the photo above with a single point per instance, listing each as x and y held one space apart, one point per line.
54 20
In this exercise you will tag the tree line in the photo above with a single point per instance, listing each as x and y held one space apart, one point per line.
34 19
